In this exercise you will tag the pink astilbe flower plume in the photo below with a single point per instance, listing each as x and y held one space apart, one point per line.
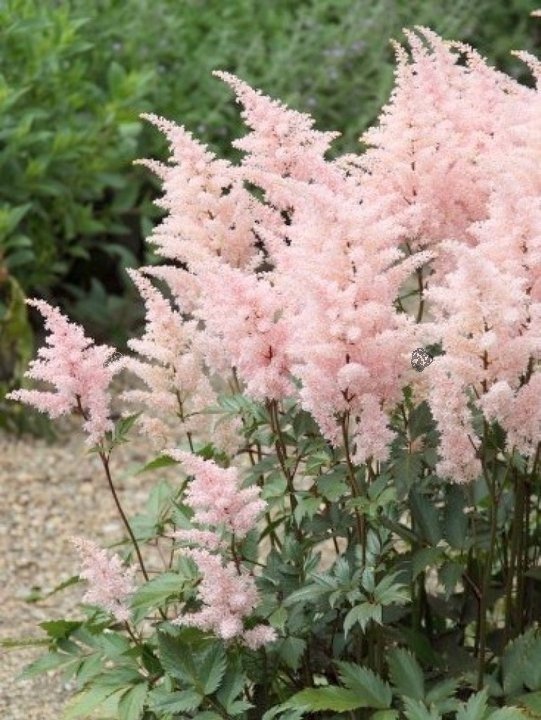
210 211
442 118
283 142
171 367
228 592
80 371
216 496
110 584
228 597
244 314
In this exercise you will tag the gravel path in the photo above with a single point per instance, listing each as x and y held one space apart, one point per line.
47 493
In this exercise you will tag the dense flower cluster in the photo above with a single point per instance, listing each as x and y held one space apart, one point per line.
110 584
227 592
80 371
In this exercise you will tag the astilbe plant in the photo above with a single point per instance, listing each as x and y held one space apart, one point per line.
277 369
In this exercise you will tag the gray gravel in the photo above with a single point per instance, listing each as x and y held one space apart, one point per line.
47 493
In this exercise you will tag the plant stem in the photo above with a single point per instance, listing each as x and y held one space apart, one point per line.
361 525
105 461
281 453
493 511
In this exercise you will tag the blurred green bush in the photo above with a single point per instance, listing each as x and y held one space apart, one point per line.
75 76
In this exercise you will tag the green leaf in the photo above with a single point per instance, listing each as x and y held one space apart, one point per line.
290 650
475 708
442 691
426 517
326 698
449 574
406 673
416 710
362 614
59 629
233 685
113 644
406 471
52 661
455 522
309 593
521 663
174 702
510 713
423 558
213 668
333 485
83 703
119 676
420 420
89 668
131 705
157 464
181 660
532 702
385 715
155 592
372 690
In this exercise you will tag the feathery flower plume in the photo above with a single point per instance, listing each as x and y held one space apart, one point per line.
172 368
216 497
227 599
110 584
77 368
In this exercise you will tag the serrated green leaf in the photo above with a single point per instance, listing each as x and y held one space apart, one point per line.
449 575
385 715
371 689
290 650
58 629
309 593
113 644
174 702
417 710
475 708
406 673
232 686
52 661
333 485
213 668
361 615
89 668
132 703
442 691
83 703
406 471
155 592
521 663
326 698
